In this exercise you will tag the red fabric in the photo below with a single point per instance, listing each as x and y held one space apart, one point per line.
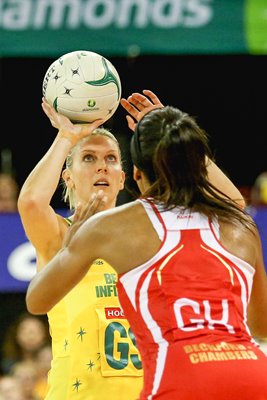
188 315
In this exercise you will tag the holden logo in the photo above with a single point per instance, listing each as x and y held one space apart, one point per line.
91 103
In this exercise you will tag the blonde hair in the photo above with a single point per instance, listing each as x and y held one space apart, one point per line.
68 193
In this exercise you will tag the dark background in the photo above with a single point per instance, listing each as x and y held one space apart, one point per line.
227 95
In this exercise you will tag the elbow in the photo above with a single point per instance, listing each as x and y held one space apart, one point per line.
35 305
241 203
35 309
27 203
258 325
259 332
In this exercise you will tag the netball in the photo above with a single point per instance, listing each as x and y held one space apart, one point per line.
83 85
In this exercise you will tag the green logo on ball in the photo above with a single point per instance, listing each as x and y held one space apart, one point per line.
91 103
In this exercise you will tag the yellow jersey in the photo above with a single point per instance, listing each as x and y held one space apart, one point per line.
94 350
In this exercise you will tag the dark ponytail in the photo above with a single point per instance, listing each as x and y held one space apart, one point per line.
170 148
172 151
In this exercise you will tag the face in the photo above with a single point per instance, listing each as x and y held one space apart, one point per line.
96 166
43 359
31 334
8 193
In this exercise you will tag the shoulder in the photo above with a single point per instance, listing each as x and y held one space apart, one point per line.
243 241
118 214
117 223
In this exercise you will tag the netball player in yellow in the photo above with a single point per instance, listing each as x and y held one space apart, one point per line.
94 351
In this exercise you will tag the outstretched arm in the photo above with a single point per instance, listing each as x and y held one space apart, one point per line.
44 228
224 184
139 104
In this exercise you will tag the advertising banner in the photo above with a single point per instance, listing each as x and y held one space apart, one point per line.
17 255
49 28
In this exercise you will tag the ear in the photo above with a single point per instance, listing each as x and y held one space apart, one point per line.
122 180
66 176
136 174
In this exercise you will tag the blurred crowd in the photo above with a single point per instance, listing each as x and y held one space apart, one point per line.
26 348
8 184
25 359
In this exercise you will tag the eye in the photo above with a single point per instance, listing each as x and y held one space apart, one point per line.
111 158
88 158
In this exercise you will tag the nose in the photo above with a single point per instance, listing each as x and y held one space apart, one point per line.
101 166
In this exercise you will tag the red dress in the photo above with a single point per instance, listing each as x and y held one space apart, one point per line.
187 307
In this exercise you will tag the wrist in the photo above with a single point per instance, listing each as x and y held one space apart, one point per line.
62 133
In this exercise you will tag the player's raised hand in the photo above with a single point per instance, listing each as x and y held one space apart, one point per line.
73 132
139 104
96 204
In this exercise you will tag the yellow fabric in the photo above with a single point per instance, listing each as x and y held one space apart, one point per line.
94 356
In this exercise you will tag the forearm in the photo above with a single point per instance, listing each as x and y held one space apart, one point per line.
52 283
224 184
42 182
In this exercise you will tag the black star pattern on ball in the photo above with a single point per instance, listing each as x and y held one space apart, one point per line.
75 71
56 77
67 91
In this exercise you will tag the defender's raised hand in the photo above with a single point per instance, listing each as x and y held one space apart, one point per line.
138 104
83 212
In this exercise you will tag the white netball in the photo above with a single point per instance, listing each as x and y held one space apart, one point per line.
83 85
